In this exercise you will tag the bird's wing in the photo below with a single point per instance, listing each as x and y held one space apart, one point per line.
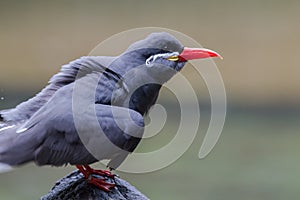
102 132
68 74
56 133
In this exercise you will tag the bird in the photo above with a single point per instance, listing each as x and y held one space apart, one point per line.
115 93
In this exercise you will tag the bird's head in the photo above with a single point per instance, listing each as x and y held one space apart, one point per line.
161 48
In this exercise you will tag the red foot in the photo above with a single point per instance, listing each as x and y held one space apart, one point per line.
88 173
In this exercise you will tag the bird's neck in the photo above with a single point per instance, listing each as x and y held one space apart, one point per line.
144 98
137 90
140 85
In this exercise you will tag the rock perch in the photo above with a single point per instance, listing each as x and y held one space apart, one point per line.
74 186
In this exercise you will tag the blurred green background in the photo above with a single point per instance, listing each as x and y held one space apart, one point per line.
257 156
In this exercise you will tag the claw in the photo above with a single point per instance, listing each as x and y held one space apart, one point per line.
88 173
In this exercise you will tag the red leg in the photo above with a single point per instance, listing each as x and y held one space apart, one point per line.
88 172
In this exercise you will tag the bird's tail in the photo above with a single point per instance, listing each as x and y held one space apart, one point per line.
14 148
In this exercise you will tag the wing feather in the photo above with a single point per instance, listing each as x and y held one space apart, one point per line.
67 75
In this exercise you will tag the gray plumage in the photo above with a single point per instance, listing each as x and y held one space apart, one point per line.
43 129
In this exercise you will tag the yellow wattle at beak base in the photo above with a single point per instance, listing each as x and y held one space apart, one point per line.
173 58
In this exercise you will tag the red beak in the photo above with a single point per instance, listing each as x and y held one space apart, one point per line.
197 53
